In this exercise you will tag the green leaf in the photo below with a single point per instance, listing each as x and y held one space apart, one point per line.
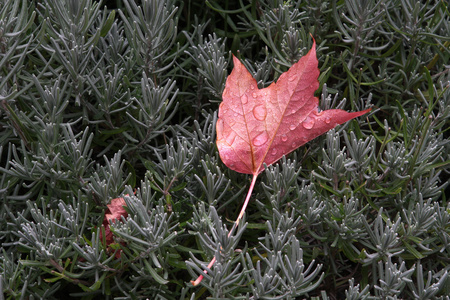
413 251
154 274
108 24
54 279
97 284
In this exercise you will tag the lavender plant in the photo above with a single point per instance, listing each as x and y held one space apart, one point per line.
108 99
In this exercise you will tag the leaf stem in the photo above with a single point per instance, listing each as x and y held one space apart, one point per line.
235 225
244 206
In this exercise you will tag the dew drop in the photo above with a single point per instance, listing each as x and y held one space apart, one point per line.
294 145
274 151
293 111
292 78
308 123
260 112
252 87
244 99
327 120
254 95
284 138
261 139
292 127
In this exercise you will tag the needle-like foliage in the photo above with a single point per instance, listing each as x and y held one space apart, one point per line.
118 99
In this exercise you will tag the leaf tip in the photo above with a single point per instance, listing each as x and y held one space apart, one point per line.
366 111
314 40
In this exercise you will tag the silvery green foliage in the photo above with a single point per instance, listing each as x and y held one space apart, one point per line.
14 23
208 57
108 180
353 292
289 278
151 29
214 236
360 31
108 99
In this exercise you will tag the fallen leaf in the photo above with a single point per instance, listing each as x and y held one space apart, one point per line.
258 126
113 213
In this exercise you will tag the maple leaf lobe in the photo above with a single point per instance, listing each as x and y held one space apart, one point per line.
258 126
114 212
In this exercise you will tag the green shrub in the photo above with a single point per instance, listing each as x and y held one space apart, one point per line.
120 99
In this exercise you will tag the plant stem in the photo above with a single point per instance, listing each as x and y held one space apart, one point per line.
235 225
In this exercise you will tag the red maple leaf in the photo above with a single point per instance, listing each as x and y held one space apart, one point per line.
259 126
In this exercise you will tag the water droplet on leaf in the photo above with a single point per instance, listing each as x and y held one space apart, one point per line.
318 113
327 120
254 95
292 127
261 139
260 112
284 138
274 151
244 99
308 123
